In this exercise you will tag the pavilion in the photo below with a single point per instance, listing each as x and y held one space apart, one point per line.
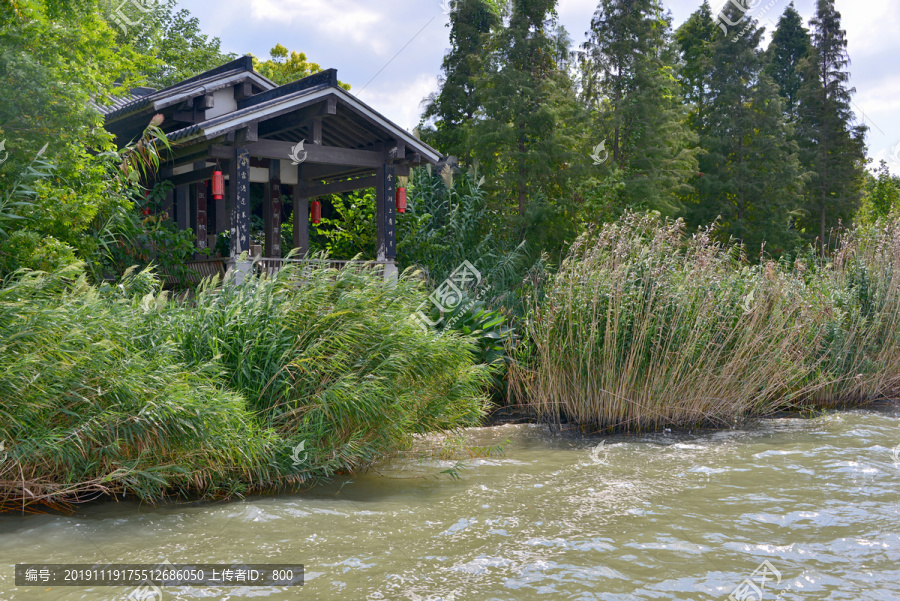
235 121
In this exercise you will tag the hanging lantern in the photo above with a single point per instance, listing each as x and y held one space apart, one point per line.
316 211
401 200
218 185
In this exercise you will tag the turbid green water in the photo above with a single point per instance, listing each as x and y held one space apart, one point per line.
665 516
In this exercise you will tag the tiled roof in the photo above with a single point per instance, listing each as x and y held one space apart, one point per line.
124 105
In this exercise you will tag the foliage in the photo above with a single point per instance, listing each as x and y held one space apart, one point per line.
748 178
285 66
627 68
832 147
881 195
790 44
454 107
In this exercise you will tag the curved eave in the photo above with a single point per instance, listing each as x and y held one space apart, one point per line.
224 124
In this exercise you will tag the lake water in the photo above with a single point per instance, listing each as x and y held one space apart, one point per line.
662 516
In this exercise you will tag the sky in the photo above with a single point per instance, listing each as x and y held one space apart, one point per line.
391 51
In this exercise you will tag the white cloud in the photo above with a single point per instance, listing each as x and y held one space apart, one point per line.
401 104
344 19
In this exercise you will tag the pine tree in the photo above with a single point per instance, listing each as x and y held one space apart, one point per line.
790 44
455 105
750 171
832 146
628 72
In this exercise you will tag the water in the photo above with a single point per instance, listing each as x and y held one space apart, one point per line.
665 516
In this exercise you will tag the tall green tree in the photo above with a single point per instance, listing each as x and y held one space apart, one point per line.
628 72
832 145
456 103
694 43
749 167
529 117
790 44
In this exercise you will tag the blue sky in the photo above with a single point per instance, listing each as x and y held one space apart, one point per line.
401 43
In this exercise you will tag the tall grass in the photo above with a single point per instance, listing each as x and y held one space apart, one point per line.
645 327
122 390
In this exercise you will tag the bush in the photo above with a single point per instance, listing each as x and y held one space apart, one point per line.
643 327
121 390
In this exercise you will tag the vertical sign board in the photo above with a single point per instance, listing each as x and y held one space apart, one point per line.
272 211
201 215
239 190
390 221
276 220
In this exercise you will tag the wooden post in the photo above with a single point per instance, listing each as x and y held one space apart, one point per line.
272 211
181 207
301 216
384 214
239 195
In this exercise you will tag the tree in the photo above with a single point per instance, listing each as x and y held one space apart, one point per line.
832 147
56 63
628 72
750 170
881 194
790 44
285 66
524 135
175 39
454 106
694 42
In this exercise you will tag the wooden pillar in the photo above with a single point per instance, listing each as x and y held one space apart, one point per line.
239 196
201 218
272 211
384 213
181 207
301 216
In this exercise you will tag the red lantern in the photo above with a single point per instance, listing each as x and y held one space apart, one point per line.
401 200
218 185
316 212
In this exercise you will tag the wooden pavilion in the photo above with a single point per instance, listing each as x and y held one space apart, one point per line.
234 120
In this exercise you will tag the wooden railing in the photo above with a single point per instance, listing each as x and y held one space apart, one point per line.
198 270
195 271
270 266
